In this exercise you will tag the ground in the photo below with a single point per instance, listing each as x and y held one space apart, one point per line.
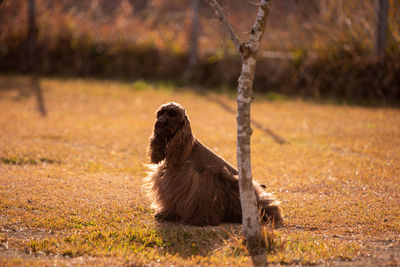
73 188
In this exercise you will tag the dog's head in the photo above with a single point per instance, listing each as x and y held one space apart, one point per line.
170 118
172 134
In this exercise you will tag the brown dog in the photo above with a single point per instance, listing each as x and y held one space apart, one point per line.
192 184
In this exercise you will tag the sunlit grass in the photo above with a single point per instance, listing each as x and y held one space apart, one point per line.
72 187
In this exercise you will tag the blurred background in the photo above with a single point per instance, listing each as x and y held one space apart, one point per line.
322 49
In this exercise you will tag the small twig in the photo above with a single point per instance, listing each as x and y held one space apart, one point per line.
221 16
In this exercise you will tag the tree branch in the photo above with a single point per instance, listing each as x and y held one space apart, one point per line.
257 31
221 16
262 14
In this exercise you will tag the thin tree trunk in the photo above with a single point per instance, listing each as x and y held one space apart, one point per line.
32 34
249 50
251 220
382 9
31 51
194 35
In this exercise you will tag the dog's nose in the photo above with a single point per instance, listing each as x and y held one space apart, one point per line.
163 119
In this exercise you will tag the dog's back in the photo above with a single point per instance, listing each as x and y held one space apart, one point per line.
268 205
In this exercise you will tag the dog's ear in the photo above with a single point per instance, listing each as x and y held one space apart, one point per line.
180 145
157 148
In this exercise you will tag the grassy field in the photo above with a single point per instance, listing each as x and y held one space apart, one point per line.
72 187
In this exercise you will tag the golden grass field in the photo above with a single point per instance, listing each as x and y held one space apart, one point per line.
72 183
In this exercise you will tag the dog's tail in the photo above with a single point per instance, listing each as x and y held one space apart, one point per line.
269 208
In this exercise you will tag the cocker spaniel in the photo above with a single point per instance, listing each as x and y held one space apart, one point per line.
192 184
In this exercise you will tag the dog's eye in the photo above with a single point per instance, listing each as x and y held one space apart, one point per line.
160 113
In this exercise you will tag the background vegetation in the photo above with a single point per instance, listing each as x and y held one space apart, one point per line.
319 49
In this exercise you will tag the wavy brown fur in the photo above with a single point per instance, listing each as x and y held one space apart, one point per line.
192 184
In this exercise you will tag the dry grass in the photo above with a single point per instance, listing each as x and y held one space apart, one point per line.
71 184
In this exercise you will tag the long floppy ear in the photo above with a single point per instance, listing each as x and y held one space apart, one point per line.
180 144
157 148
